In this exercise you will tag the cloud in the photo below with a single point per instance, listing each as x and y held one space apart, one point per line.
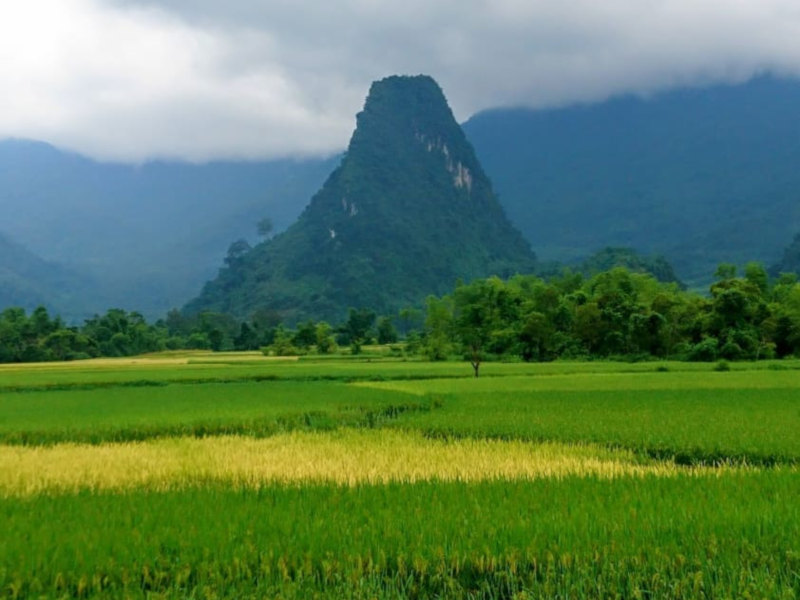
137 79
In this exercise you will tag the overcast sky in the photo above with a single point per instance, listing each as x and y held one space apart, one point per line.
132 80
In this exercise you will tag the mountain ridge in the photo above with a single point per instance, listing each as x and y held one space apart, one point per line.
701 176
147 236
404 215
28 281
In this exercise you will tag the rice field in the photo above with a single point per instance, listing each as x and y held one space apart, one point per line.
127 413
230 476
694 418
349 457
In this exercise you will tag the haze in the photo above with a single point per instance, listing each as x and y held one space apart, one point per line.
131 81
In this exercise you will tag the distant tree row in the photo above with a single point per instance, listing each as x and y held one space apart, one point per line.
39 337
613 314
617 314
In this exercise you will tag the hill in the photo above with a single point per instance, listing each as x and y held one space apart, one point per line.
147 236
407 213
28 281
790 261
701 176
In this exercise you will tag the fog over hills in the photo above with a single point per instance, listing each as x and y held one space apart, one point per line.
700 176
408 213
27 280
148 235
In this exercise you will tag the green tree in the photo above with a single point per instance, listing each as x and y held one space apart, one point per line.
236 252
387 334
323 334
438 327
306 335
482 313
356 330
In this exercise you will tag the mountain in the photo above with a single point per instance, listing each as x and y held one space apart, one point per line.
408 212
790 261
28 281
701 176
147 236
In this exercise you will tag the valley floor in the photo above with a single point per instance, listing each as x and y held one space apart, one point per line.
231 476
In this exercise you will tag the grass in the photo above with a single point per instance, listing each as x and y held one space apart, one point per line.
137 413
233 476
582 537
690 417
346 457
158 370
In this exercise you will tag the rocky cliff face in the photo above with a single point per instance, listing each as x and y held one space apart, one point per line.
407 213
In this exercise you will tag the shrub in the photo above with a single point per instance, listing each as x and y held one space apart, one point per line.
704 351
731 351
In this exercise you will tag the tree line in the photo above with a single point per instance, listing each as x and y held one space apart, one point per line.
613 314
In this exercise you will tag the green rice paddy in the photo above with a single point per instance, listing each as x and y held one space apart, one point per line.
706 508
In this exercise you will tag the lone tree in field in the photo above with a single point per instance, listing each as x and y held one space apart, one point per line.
479 308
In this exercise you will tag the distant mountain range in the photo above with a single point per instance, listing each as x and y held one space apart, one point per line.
146 236
27 281
700 176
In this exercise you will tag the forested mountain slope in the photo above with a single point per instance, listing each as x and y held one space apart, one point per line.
28 281
407 213
148 235
701 176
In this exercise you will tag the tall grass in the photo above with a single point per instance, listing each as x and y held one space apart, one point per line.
136 413
717 537
710 418
347 457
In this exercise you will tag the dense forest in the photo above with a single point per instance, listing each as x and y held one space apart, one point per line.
616 314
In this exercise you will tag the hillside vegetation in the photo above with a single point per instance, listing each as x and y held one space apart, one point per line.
142 237
407 213
701 176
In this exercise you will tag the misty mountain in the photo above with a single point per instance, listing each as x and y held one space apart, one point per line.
407 213
28 281
790 260
148 235
700 176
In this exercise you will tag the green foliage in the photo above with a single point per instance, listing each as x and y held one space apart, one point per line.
282 344
618 313
689 417
323 338
614 314
609 258
438 328
684 537
408 212
698 175
387 334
